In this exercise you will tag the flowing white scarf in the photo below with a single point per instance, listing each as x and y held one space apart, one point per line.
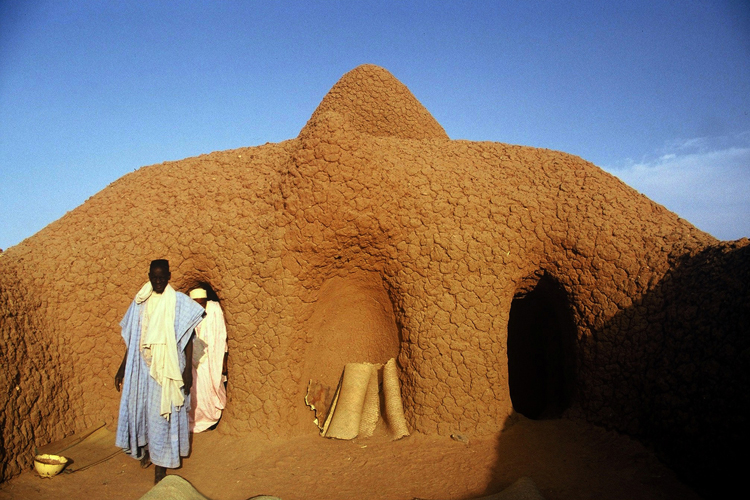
159 346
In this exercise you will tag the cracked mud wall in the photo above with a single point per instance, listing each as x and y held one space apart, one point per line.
449 231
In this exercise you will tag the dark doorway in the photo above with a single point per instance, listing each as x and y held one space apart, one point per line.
541 351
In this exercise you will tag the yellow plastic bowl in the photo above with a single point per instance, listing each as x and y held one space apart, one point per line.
49 465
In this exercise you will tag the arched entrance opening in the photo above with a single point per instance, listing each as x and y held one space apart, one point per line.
541 350
351 321
211 296
209 361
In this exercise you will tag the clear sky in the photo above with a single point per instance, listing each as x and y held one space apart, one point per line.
655 92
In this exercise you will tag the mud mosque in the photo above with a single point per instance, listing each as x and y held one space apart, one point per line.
503 279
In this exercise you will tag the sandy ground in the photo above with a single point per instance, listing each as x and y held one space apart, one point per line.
566 459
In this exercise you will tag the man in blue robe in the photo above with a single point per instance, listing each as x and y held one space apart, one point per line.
158 330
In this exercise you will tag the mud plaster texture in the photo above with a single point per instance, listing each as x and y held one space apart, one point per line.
373 235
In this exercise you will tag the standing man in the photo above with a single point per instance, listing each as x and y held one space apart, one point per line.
155 379
208 395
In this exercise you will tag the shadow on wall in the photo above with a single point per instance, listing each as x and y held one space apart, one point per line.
541 350
674 369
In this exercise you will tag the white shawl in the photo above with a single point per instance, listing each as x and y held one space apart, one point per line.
159 345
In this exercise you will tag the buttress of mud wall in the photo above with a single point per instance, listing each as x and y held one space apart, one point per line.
33 404
352 321
541 351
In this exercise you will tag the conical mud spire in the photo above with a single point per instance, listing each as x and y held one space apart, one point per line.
374 102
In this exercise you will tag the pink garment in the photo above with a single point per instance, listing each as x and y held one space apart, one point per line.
208 394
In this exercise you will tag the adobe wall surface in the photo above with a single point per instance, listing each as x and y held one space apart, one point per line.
373 200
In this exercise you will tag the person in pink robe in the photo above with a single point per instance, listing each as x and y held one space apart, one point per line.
208 394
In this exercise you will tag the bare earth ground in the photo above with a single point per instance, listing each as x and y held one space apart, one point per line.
566 459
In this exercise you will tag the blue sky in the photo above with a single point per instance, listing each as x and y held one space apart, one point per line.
657 93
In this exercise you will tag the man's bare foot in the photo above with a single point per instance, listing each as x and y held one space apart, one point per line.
159 473
145 460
